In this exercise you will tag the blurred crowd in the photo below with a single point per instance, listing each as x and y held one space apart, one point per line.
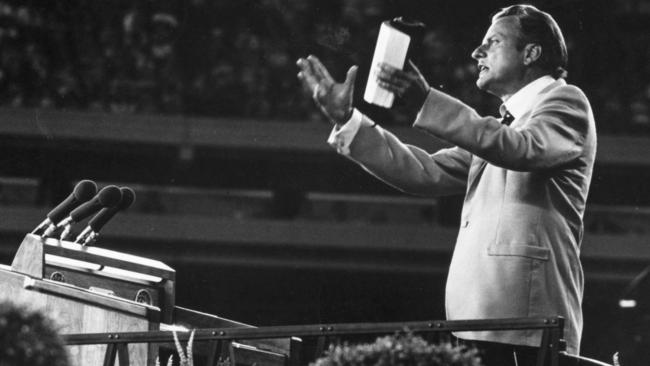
28 337
237 58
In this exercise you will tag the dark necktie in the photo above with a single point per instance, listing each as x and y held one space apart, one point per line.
507 118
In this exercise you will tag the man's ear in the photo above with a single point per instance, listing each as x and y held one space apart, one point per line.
532 53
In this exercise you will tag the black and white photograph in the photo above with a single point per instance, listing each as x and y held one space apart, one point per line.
324 183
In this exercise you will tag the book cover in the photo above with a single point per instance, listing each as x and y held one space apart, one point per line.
391 48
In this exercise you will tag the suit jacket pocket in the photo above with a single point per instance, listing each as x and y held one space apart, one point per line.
519 250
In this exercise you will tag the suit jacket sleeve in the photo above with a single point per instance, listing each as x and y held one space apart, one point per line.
552 135
409 168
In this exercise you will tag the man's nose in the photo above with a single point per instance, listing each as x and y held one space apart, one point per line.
478 52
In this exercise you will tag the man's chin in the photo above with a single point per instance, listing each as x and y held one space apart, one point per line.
480 83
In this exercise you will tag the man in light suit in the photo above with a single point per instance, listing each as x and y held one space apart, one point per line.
525 176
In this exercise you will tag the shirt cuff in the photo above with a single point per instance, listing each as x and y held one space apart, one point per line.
341 136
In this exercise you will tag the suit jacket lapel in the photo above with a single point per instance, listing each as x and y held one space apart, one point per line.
475 171
478 164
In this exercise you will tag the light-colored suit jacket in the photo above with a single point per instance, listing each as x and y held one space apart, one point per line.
525 185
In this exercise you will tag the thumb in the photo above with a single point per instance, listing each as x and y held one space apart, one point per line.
415 68
351 77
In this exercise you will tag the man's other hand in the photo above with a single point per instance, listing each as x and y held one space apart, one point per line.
334 99
408 84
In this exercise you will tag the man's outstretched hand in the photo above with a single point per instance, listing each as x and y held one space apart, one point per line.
334 99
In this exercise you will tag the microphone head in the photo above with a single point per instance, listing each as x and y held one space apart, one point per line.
109 196
128 197
102 218
85 190
82 192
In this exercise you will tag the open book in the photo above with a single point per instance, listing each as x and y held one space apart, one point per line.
391 48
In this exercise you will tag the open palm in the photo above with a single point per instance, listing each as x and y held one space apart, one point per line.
334 99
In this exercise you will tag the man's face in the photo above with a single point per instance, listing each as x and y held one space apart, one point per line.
500 63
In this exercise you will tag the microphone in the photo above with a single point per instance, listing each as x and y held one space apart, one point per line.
109 196
90 233
82 192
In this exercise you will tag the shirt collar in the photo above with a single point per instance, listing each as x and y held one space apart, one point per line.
522 101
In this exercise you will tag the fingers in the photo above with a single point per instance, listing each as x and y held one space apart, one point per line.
393 79
396 80
400 90
307 74
315 77
315 93
313 71
392 74
334 99
320 69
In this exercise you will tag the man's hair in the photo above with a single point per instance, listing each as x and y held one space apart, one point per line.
539 27
28 338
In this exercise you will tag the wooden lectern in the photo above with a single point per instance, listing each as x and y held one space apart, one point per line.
95 290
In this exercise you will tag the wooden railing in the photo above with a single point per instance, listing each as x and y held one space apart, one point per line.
218 339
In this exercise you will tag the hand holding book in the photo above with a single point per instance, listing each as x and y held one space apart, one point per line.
388 76
409 85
